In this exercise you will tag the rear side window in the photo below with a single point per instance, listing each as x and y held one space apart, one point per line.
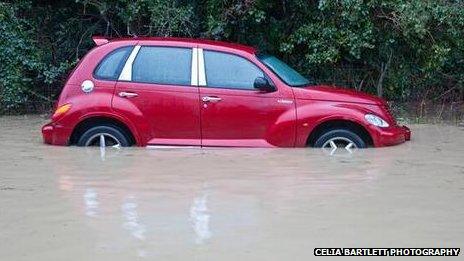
110 67
230 71
163 65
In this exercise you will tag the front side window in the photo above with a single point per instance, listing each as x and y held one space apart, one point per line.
110 67
230 71
163 65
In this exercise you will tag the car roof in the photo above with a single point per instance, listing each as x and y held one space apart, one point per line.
100 40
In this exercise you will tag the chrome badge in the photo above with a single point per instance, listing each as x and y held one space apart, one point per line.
284 101
87 86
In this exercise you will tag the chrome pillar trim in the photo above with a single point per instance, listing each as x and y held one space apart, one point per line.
201 68
126 73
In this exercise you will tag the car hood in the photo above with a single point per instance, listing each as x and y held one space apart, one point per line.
329 93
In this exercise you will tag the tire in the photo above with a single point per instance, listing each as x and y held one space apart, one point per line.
342 135
91 137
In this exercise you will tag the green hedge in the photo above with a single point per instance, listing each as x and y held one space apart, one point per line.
401 49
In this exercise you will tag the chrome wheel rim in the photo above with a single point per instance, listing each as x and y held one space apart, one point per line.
103 140
343 143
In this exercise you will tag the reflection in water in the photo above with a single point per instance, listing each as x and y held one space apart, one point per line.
102 153
150 191
154 203
91 202
269 204
113 151
131 217
346 151
132 222
200 218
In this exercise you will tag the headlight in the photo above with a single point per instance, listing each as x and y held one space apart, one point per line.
376 120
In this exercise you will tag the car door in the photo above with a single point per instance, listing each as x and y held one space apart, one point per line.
233 113
155 91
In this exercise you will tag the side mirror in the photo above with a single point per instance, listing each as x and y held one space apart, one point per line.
263 84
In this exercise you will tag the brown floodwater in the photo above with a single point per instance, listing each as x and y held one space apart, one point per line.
69 203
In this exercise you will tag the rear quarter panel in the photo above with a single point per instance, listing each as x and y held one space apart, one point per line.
96 103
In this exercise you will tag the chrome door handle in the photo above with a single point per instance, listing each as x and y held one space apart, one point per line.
128 94
211 99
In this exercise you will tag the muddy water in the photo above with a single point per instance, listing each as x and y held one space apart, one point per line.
67 203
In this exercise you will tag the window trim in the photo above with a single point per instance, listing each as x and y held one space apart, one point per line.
120 66
126 73
194 68
128 67
202 70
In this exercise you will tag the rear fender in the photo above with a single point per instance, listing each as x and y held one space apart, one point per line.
121 119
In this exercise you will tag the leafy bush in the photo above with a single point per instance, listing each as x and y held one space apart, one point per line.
17 57
401 49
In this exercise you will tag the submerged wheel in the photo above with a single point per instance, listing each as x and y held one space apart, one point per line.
340 138
105 135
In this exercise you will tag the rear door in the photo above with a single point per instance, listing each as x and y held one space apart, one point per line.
156 91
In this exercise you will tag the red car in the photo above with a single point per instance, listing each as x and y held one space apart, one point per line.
187 92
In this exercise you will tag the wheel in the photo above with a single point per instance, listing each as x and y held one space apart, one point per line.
108 135
340 138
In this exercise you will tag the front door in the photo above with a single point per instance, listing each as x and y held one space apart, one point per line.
233 113
156 93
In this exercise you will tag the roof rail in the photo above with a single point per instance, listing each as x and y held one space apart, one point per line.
100 40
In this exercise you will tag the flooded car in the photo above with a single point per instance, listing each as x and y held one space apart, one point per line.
189 92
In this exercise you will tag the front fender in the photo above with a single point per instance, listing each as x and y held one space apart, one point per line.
311 114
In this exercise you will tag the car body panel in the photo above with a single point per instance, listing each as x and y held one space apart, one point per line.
312 113
176 115
165 114
249 118
327 93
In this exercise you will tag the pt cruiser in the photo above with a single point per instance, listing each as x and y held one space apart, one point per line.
187 92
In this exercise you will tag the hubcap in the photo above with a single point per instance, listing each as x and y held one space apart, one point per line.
339 143
103 140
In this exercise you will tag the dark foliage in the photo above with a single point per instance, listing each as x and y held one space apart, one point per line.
404 50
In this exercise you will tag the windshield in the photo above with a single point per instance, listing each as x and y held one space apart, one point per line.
285 72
